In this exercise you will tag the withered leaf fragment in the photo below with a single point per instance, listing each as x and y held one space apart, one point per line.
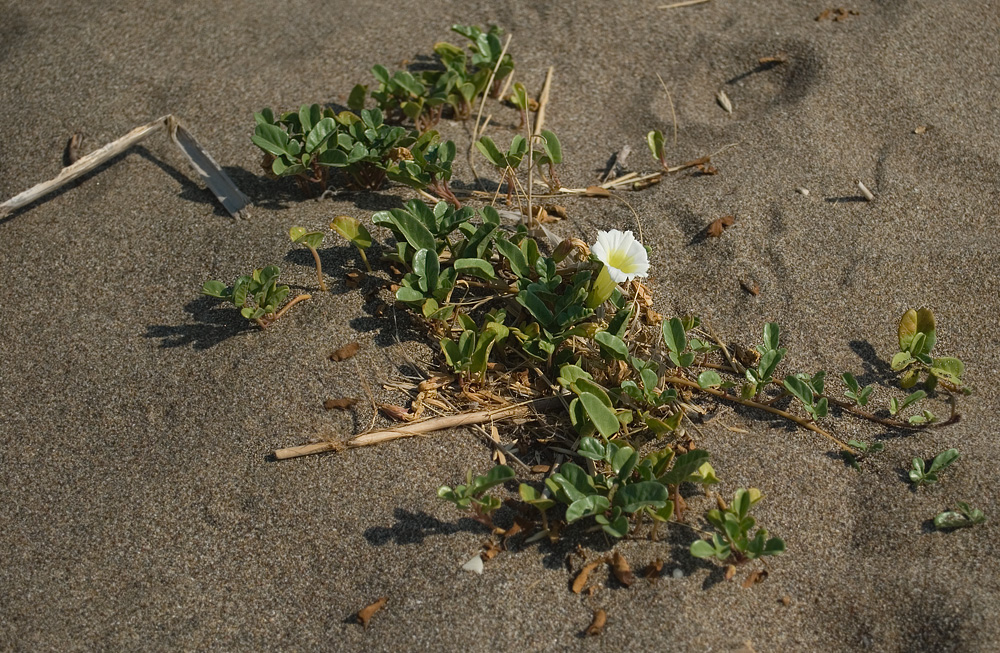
365 613
730 572
581 579
597 623
779 58
653 570
719 225
756 576
556 211
619 565
339 404
345 352
751 287
540 469
397 413
596 191
72 153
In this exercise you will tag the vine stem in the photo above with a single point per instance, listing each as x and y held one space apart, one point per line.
295 300
676 380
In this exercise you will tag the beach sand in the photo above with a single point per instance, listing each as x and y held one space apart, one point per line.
140 508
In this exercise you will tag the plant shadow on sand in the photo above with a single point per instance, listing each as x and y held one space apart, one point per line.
215 322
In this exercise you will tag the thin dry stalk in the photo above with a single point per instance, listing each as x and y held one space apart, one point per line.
686 3
543 101
482 103
670 100
420 428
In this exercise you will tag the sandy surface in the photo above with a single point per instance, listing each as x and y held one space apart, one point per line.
139 509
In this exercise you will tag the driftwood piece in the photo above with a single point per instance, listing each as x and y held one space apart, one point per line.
419 428
214 177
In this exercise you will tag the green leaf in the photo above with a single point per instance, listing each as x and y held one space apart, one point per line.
709 379
271 139
612 344
773 547
900 360
800 389
948 368
674 335
655 141
704 549
623 462
215 289
514 255
313 239
356 100
427 267
911 399
574 481
496 476
586 507
408 294
415 232
603 417
532 496
352 230
552 146
320 133
491 152
590 448
476 267
771 336
943 460
684 466
636 496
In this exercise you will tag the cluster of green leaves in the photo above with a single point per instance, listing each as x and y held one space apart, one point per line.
917 336
258 295
854 391
863 449
922 474
964 517
809 390
770 355
308 142
449 89
472 496
545 159
734 542
621 486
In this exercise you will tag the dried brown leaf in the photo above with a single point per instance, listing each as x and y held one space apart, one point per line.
490 551
540 469
653 570
756 576
781 57
730 572
352 279
596 191
707 169
584 575
339 404
345 352
786 600
365 613
921 129
72 153
719 225
397 413
597 623
556 211
619 565
751 287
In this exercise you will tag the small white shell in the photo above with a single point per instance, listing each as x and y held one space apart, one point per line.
474 565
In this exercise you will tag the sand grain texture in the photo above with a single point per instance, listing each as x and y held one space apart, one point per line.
139 509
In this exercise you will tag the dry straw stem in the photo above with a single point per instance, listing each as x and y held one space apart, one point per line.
482 103
676 380
543 101
670 100
686 3
214 177
420 428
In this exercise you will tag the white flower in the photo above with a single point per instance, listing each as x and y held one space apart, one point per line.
624 256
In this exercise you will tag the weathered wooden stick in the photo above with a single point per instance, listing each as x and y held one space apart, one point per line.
418 428
229 196
214 177
83 165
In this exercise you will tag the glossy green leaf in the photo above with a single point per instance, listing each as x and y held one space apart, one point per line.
603 417
586 507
